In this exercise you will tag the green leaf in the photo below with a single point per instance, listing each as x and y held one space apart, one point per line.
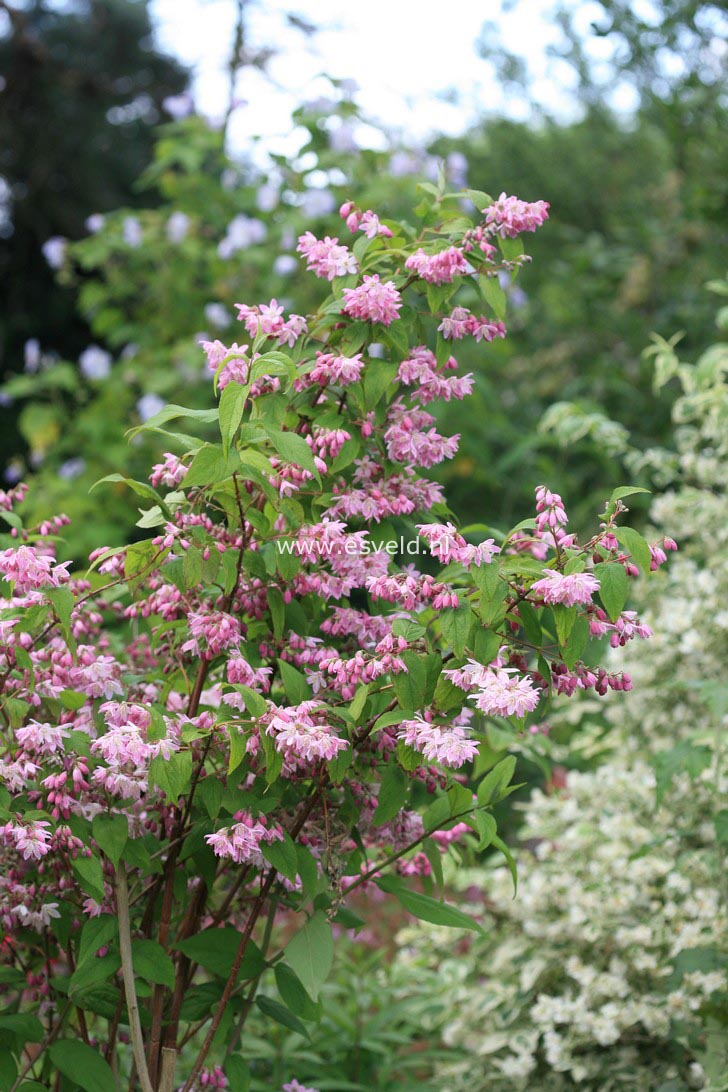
211 465
574 647
293 994
281 1014
232 404
93 971
96 933
338 765
277 609
511 248
492 787
90 876
311 953
26 1027
294 683
410 685
564 617
456 625
215 950
238 1073
494 295
613 587
359 701
152 963
111 833
172 775
720 821
63 602
501 845
282 855
83 1066
392 795
637 546
71 699
238 744
487 828
434 911
293 449
623 491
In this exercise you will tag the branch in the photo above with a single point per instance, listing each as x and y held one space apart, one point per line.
127 967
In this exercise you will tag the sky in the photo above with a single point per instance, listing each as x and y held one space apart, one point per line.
415 61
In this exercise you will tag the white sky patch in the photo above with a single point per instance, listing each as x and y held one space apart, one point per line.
415 61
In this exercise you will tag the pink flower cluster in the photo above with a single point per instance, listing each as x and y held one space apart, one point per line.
267 318
241 842
411 440
330 368
446 544
450 745
499 691
461 322
211 632
422 372
509 216
569 591
29 570
327 258
439 268
373 301
31 840
170 473
301 734
367 222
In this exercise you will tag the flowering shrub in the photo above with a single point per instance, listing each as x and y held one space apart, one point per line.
255 709
608 971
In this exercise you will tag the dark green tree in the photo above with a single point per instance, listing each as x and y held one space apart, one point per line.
81 88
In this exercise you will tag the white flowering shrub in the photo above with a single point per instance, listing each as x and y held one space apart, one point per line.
607 971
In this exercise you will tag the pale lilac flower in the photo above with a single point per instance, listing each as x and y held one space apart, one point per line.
95 363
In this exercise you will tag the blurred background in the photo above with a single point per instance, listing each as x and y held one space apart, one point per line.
153 155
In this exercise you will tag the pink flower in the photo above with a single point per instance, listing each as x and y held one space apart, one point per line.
440 268
29 570
336 369
447 545
373 301
241 842
503 692
213 630
508 216
326 257
169 473
461 322
450 745
301 736
577 588
296 1086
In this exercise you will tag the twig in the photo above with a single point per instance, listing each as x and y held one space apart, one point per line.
127 967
